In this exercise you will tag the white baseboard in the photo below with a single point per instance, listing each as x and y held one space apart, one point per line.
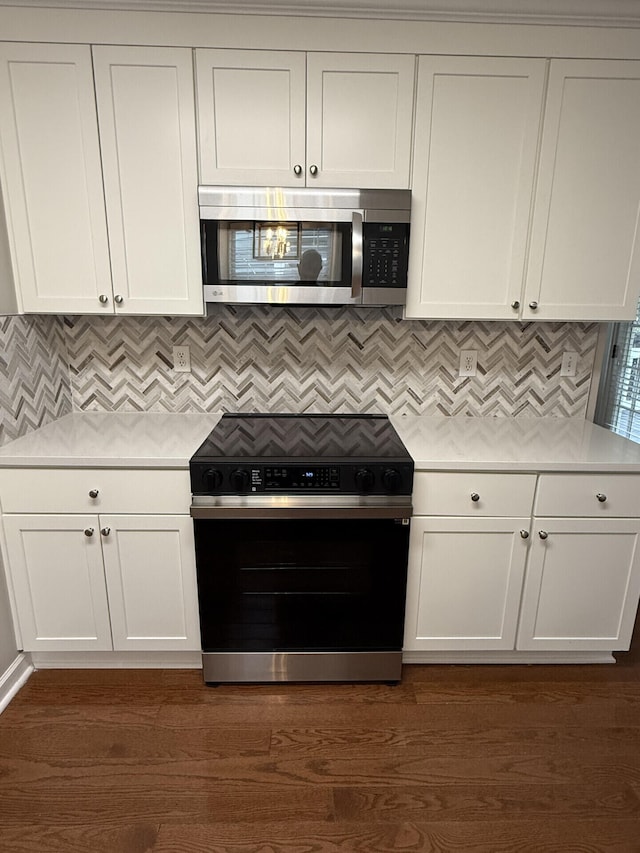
117 660
508 656
12 679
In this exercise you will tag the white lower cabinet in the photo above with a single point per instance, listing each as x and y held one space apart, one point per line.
101 581
58 582
563 576
582 585
151 581
464 584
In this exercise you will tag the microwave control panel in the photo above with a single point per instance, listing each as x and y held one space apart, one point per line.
385 254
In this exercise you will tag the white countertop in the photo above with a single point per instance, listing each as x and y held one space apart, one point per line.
107 440
158 440
514 444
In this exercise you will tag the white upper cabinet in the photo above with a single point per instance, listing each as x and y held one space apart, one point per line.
478 251
274 118
584 257
51 177
55 150
251 116
477 125
359 119
147 130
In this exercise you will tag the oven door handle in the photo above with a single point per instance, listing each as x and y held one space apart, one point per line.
238 507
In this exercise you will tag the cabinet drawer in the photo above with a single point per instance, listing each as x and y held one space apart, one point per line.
616 495
122 491
473 494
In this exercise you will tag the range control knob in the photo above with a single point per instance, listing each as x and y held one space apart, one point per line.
212 479
392 480
239 480
365 479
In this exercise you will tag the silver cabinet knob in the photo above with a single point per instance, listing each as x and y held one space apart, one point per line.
105 531
94 493
515 304
524 534
88 531
533 305
543 534
103 298
297 169
313 170
602 498
475 497
118 299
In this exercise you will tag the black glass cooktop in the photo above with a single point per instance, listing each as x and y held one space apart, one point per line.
263 437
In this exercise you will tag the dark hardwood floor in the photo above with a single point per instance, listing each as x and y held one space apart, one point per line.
484 759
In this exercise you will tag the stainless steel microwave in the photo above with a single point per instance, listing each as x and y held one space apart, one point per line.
304 246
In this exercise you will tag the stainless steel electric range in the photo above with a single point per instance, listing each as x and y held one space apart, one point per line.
302 534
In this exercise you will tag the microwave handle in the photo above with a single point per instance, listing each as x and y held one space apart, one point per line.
356 254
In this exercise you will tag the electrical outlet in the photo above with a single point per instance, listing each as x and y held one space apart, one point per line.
468 362
182 359
569 364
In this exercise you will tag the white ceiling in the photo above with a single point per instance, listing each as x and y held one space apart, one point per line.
598 12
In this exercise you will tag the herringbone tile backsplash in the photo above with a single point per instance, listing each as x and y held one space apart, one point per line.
34 374
327 360
287 360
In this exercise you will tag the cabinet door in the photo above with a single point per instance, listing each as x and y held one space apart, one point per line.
464 582
58 580
584 259
477 124
51 177
359 119
251 117
147 130
582 585
151 579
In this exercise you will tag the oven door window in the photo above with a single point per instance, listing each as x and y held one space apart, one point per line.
295 585
251 253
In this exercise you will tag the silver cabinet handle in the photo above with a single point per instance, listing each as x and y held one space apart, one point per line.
88 531
533 305
543 534
602 498
297 169
524 534
515 304
475 497
118 299
313 170
94 493
105 531
103 298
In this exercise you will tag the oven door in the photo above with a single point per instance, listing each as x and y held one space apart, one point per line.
302 580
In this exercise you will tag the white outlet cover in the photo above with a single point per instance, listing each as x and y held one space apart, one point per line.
468 362
569 364
182 359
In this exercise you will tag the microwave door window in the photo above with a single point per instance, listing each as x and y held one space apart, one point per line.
254 253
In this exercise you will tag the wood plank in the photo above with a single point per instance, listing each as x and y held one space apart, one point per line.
47 742
592 836
160 801
42 838
566 692
359 742
498 802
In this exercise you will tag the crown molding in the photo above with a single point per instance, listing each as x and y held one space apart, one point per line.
616 13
